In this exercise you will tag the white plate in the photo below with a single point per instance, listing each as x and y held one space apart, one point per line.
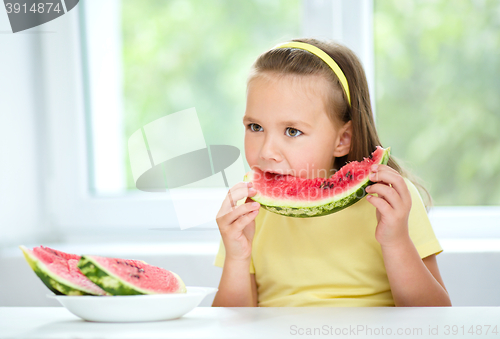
132 308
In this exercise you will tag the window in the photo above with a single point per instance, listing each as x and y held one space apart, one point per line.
146 68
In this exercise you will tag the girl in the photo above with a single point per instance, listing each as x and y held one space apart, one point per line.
308 113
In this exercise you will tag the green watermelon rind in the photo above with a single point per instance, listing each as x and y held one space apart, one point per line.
318 208
58 285
110 282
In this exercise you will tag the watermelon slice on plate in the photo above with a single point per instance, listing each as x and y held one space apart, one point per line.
59 272
129 277
303 198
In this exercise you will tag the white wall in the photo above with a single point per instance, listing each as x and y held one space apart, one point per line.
22 164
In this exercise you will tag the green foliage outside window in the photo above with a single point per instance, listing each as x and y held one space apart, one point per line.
438 94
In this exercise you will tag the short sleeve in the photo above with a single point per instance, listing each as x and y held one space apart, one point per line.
419 225
221 255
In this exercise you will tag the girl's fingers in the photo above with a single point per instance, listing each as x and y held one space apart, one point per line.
232 217
386 192
244 220
388 176
379 203
235 194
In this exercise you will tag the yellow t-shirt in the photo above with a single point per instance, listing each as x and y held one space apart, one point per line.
333 260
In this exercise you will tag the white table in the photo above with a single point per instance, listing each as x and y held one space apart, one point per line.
286 322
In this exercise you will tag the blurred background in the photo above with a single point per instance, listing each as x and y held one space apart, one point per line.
437 96
73 91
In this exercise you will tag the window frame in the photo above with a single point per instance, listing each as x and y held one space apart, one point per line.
75 211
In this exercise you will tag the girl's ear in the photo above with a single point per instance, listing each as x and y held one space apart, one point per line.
343 140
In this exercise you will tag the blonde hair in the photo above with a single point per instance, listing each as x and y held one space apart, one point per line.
290 61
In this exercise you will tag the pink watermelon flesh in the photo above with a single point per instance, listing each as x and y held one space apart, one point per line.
293 196
64 266
145 277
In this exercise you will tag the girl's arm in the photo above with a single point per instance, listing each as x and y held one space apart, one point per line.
412 283
237 287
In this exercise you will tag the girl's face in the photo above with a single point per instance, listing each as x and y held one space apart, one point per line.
287 129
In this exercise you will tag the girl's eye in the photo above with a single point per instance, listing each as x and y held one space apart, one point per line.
252 124
294 132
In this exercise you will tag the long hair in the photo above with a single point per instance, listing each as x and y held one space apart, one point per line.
290 61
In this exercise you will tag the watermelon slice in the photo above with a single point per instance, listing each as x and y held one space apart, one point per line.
129 277
303 198
59 272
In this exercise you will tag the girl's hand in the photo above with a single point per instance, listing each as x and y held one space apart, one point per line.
393 205
237 223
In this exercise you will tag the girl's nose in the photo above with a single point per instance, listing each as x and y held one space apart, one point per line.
270 151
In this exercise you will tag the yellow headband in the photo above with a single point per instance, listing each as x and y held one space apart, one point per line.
323 56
